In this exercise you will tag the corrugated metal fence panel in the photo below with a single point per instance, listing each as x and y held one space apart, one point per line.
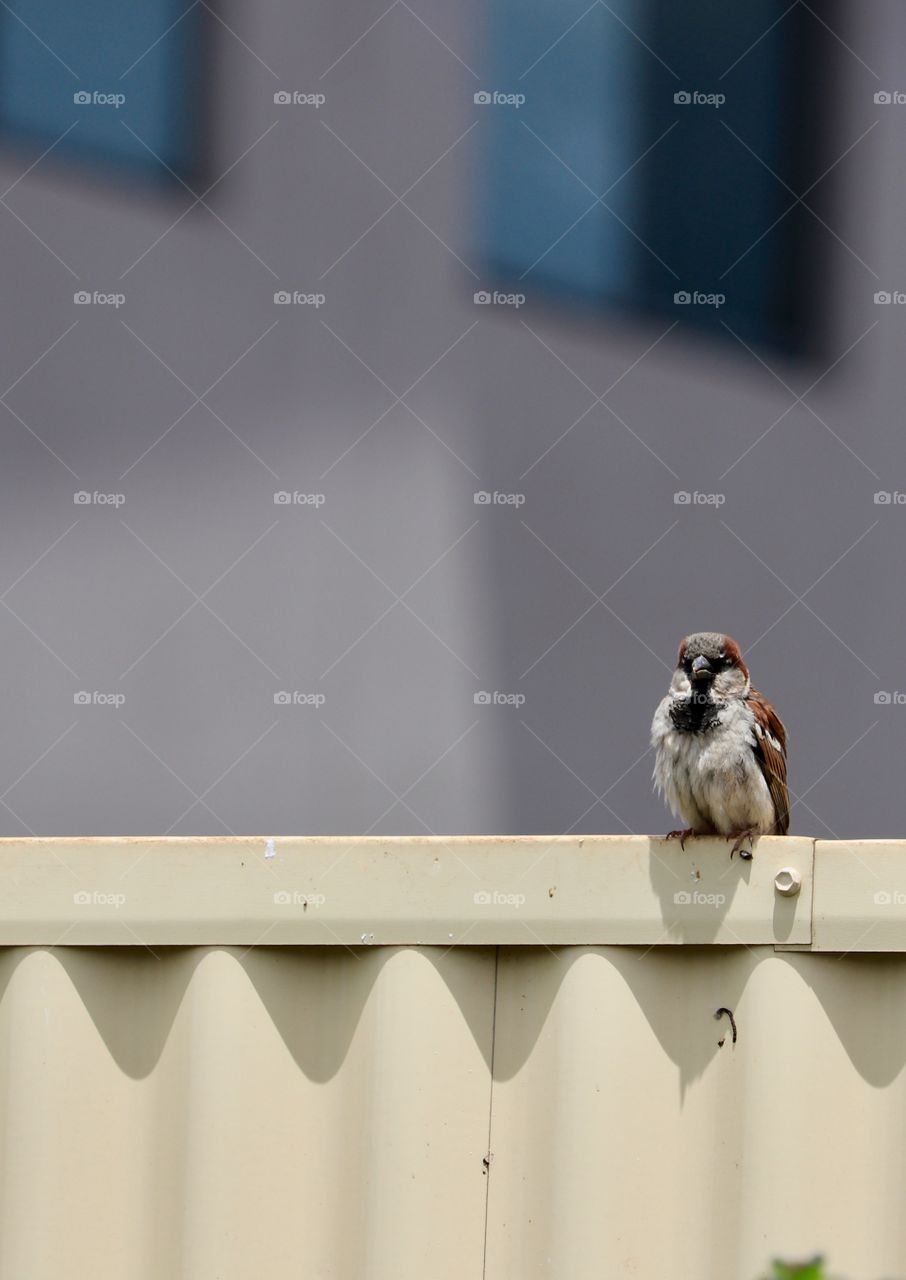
627 1143
308 1113
326 1112
219 1115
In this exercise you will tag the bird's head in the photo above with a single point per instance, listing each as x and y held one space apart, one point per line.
710 664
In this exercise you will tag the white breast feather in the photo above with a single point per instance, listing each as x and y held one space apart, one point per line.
712 780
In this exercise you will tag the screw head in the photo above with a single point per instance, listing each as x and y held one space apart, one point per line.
788 882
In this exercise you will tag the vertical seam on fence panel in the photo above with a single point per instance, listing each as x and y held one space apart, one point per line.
488 1156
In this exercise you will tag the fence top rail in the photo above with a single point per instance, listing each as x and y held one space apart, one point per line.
794 893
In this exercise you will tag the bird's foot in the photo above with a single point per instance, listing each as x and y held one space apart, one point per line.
685 834
739 840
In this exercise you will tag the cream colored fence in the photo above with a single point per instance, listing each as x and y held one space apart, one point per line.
477 1059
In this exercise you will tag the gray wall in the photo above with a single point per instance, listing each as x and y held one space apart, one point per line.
300 598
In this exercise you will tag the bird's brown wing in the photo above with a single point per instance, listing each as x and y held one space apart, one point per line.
770 751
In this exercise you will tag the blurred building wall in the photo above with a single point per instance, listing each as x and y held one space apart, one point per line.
399 599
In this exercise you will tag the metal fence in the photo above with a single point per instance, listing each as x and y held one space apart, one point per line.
499 1059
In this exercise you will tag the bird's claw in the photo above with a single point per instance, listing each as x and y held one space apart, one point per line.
739 841
683 835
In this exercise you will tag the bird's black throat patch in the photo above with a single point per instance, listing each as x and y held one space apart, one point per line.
695 713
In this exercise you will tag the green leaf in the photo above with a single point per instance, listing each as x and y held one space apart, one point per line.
813 1270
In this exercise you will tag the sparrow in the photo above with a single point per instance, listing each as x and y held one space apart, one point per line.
720 747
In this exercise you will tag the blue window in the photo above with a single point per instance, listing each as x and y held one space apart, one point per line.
112 82
656 156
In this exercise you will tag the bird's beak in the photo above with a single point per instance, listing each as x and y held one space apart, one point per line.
701 668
